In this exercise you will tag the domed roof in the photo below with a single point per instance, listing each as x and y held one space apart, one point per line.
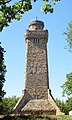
36 23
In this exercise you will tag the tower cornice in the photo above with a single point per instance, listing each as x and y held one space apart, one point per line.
31 34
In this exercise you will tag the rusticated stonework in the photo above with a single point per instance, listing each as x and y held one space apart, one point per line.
36 80
36 96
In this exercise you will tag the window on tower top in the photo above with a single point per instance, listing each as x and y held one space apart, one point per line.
36 41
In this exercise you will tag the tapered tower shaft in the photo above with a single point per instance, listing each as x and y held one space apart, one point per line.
36 79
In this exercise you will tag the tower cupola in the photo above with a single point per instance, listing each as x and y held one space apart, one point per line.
36 25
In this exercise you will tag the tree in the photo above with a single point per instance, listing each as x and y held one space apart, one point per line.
61 105
68 34
10 12
68 105
8 104
65 106
2 72
67 86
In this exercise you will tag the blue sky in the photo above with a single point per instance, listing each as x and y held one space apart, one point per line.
59 59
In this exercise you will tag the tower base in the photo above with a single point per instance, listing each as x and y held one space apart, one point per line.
28 105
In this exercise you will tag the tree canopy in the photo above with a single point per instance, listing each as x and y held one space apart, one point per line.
10 12
67 86
68 34
8 104
2 72
65 106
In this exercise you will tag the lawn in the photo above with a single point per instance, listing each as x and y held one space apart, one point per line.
23 117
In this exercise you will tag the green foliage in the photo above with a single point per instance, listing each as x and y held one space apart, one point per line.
64 117
61 105
15 11
68 34
2 75
8 104
65 106
68 105
48 117
2 72
67 86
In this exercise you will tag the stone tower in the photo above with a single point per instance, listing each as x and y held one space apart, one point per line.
36 96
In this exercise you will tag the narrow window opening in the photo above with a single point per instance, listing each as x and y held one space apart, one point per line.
36 96
35 28
36 69
36 41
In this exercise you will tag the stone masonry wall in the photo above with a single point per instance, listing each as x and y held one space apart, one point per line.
36 80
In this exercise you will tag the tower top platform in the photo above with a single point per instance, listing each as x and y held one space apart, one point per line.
36 25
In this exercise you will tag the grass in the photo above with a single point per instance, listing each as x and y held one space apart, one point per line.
23 117
64 117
